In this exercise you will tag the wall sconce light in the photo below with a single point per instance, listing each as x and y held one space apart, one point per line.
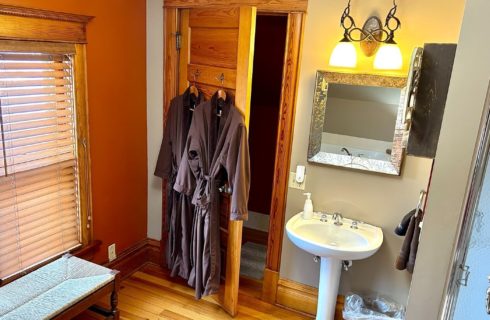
371 37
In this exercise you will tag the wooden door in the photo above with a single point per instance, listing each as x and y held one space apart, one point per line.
217 46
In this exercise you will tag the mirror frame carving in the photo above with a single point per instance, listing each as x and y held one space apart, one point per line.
316 156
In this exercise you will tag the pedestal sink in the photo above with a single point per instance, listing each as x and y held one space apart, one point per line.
333 244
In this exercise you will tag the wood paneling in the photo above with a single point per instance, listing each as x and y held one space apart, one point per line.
262 5
214 47
209 75
210 18
285 138
209 90
303 298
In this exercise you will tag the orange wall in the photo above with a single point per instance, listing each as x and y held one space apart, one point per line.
116 61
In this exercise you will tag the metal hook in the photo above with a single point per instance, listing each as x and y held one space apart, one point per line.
196 74
221 78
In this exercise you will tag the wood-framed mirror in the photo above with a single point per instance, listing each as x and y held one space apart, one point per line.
359 121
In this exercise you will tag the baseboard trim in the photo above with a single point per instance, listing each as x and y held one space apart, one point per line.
269 286
146 251
303 298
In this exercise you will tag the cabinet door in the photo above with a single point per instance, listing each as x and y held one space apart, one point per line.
217 46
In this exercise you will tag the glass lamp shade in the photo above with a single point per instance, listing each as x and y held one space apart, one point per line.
344 55
389 57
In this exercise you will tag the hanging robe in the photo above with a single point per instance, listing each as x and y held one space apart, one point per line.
216 152
179 206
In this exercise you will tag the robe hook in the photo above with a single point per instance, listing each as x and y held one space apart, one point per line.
221 78
196 74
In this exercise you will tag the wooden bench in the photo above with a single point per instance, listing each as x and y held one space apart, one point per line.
61 289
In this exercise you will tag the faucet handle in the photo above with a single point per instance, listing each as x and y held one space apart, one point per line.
354 224
323 217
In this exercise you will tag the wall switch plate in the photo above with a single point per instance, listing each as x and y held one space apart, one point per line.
111 252
294 184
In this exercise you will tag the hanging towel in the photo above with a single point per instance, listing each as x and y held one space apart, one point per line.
414 245
402 259
402 228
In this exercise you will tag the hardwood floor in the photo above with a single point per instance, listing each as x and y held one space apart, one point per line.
150 294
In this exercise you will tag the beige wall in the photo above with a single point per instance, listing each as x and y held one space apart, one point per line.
377 199
154 112
452 169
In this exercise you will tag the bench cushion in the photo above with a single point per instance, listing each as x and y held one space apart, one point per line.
48 291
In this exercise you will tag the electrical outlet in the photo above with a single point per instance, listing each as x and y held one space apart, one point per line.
111 252
294 184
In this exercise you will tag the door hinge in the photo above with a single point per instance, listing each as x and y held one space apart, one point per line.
178 40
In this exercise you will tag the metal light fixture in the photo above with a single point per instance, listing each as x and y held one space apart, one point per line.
370 38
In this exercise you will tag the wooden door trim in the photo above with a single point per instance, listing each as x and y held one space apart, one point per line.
284 142
284 6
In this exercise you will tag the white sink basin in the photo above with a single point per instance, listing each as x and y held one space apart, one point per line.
333 244
325 239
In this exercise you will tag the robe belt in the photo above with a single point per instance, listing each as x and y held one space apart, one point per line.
202 194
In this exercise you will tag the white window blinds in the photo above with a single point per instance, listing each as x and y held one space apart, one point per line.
39 209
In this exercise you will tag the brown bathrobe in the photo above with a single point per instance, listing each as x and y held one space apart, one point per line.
179 206
216 152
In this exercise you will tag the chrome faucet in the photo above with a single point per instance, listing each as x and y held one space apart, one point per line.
346 151
337 218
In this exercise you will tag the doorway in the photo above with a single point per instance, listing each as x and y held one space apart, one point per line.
227 57
265 106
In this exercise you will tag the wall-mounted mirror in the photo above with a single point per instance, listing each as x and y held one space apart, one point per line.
358 121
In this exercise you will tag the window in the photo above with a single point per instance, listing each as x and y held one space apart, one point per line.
40 169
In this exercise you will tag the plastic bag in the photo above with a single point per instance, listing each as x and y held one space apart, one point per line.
371 307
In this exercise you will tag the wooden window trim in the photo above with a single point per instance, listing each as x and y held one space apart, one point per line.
20 23
58 32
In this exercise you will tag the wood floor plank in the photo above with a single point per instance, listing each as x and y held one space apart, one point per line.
150 294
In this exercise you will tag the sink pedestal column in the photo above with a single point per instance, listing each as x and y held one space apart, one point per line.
328 288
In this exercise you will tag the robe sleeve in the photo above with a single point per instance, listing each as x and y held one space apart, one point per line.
189 165
238 169
163 168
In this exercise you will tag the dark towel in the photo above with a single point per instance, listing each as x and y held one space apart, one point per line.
414 245
401 229
402 259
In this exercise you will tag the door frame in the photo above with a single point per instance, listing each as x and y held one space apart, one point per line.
475 185
295 11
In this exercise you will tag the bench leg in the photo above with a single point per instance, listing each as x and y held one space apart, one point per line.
114 301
